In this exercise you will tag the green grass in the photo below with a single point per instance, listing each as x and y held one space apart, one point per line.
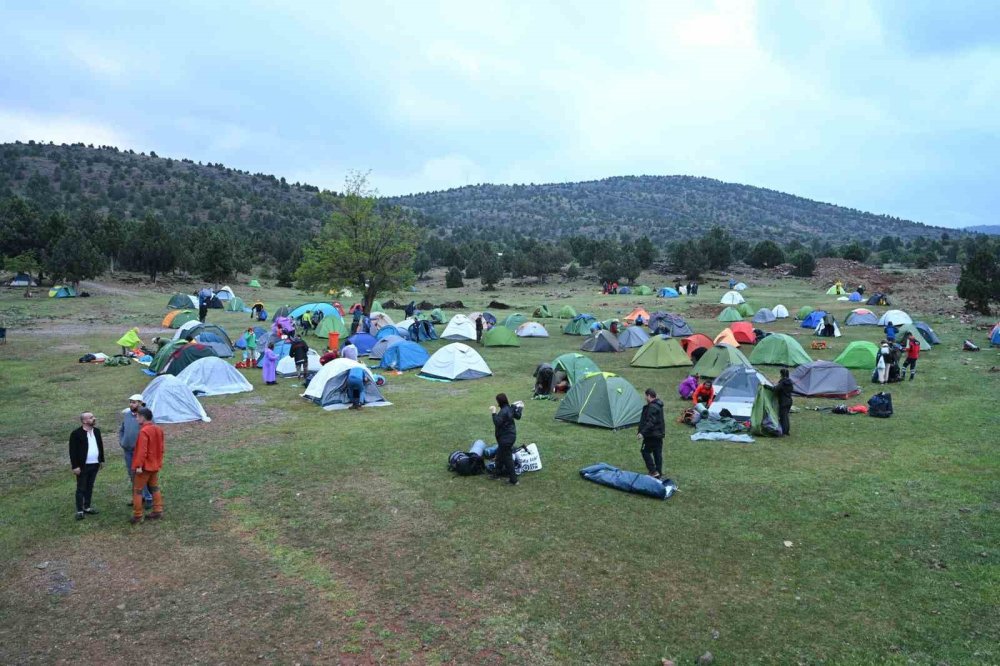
297 535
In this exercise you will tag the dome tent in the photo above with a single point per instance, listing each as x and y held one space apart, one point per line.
634 316
171 401
459 328
726 337
803 312
660 352
207 334
455 362
897 317
643 290
743 332
542 311
378 351
566 312
860 354
390 332
603 341
745 309
514 320
764 316
917 335
234 304
403 355
182 302
601 399
531 329
731 298
576 366
181 356
669 323
668 292
177 318
213 376
579 325
363 341
861 317
633 336
331 323
715 360
812 319
740 286
735 390
500 336
780 311
730 314
286 366
824 379
855 297
779 349
928 332
328 387
694 342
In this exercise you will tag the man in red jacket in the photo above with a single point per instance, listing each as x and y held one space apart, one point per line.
912 346
146 464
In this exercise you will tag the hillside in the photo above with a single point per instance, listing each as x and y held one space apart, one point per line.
991 229
664 206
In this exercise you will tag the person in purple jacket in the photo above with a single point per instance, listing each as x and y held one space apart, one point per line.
270 365
687 387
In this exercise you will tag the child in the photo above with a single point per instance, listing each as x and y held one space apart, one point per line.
250 353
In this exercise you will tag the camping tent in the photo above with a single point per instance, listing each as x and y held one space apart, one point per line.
861 317
643 290
566 312
61 291
995 336
437 316
286 366
633 316
780 311
726 337
779 349
377 321
331 323
670 324
390 332
455 362
254 283
177 318
213 376
821 331
836 290
514 320
328 387
542 311
207 334
182 302
743 332
404 355
730 314
660 352
633 336
928 332
225 294
376 307
745 309
575 366
23 280
803 312
860 354
764 413
326 308
897 317
500 336
855 297
694 342
601 399
460 328
813 318
824 379
740 286
668 292
234 304
736 389
171 401
715 360
531 329
183 355
364 342
925 345
579 325
603 341
378 351
732 298
878 298
624 290
764 316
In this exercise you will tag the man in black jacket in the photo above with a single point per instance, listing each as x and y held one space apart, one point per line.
86 455
651 431
505 431
783 392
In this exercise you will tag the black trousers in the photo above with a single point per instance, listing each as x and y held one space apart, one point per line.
85 485
505 462
783 421
652 454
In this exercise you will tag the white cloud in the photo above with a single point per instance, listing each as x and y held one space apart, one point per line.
438 173
25 126
96 59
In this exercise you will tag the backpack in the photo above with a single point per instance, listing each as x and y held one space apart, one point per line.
880 405
466 464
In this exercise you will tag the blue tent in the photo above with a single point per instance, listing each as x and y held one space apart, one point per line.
813 319
995 337
668 292
855 297
326 308
386 331
424 331
363 342
259 333
624 290
404 355
928 332
489 318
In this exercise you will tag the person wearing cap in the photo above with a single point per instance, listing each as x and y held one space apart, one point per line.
128 433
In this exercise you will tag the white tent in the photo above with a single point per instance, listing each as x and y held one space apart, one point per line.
330 370
225 294
821 325
736 389
286 366
459 328
404 326
740 286
780 311
531 329
732 298
455 362
329 387
379 320
213 376
897 317
172 401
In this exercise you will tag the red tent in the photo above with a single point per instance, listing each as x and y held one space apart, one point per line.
696 341
743 332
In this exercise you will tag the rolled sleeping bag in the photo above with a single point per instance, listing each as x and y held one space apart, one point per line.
478 448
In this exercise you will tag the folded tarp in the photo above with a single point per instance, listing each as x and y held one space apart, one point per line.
721 437
630 482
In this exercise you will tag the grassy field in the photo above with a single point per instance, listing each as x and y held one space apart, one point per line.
294 535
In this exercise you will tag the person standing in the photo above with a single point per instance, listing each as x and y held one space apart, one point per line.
505 431
146 464
356 320
479 329
651 431
300 352
912 347
128 433
270 365
86 456
250 353
202 310
783 391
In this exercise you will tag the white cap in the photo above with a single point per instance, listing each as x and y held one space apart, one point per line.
135 396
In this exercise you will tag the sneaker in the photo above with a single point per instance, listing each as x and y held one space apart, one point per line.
156 515
80 515
91 510
514 482
135 521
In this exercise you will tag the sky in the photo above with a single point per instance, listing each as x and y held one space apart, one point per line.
889 107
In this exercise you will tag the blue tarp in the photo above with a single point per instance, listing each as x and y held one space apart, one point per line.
631 482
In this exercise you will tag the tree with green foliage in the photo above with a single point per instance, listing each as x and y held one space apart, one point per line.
716 247
26 262
740 250
491 271
453 278
75 257
573 271
855 251
645 252
219 256
21 228
630 268
113 235
608 271
687 257
765 254
421 264
979 285
155 252
804 264
364 245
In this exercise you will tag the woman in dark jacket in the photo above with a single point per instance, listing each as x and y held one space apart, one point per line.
783 392
505 432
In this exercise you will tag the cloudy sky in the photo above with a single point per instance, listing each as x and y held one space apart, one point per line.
891 107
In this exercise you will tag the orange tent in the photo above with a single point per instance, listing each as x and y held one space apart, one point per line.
635 314
727 337
743 332
696 341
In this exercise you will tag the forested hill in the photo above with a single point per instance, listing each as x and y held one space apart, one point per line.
663 206
133 185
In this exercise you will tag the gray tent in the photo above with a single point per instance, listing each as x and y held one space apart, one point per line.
379 349
633 336
603 341
928 332
172 401
824 379
669 323
864 318
764 316
736 389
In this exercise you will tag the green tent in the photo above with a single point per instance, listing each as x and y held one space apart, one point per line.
860 354
566 312
601 399
660 352
575 366
779 349
606 324
514 320
438 317
764 404
745 309
180 317
331 323
915 332
254 283
642 290
181 302
836 290
234 304
542 311
730 314
580 325
162 356
804 312
376 307
715 360
500 336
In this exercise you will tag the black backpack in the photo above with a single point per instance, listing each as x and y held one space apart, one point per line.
466 464
880 405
